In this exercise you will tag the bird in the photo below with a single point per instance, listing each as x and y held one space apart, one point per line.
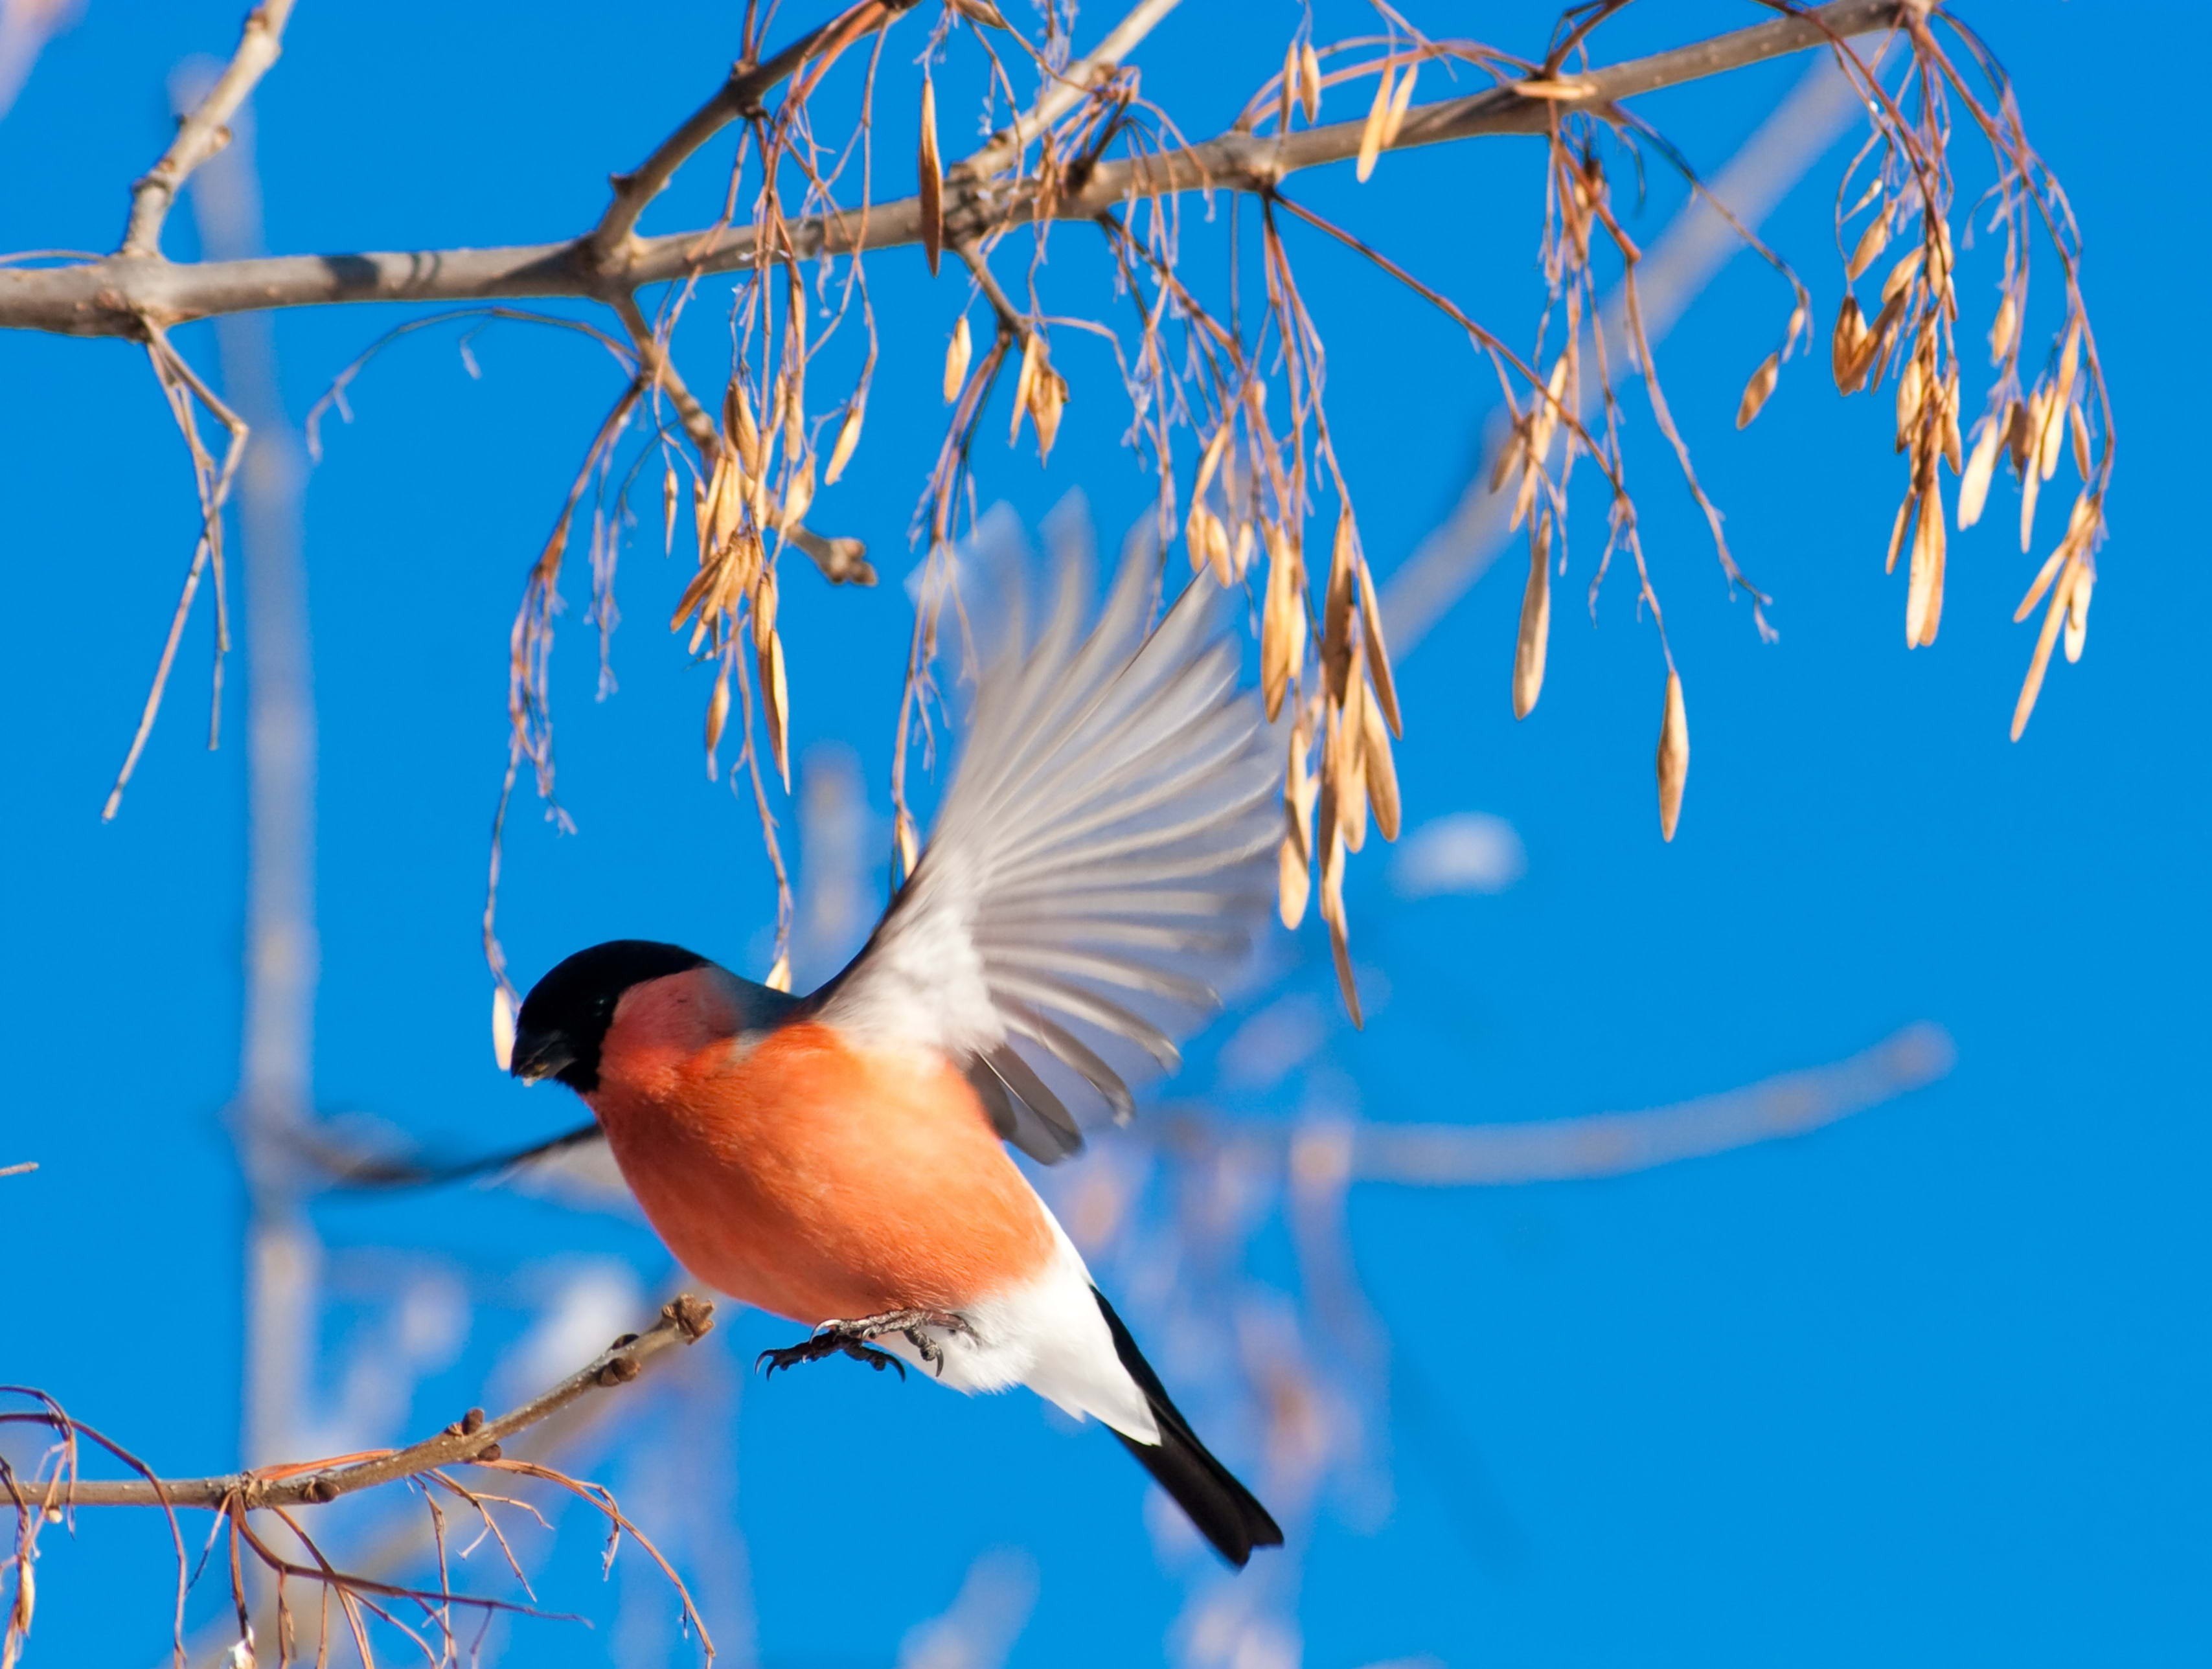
841 1159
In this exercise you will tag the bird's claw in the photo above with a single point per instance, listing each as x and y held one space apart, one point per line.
852 1338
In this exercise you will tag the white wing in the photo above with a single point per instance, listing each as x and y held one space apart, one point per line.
1099 857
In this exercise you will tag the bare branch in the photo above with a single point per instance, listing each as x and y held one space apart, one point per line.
1065 90
111 296
740 95
683 1320
206 130
1613 1143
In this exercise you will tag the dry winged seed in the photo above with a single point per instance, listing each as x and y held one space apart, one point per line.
1370 132
1376 765
848 437
1529 648
1756 391
2080 425
797 496
1909 386
1032 351
1293 884
2044 576
2050 434
1336 606
909 848
1378 654
1673 761
1048 399
2019 436
1510 454
1401 101
1291 88
2032 686
2002 329
776 705
930 172
668 511
1276 616
791 405
1310 80
2070 360
738 424
1896 530
1974 480
1871 243
718 714
502 1026
1208 541
779 972
763 596
1348 768
1902 275
1844 345
1927 578
2077 613
956 360
1209 459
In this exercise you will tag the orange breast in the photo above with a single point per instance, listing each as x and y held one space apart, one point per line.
815 1179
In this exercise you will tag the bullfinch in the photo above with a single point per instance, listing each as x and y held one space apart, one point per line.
841 1159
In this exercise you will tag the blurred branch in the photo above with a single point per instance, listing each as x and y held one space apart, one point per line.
1615 1143
118 294
26 27
682 1320
1576 1150
22 1169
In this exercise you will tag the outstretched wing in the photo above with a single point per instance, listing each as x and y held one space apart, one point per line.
1098 859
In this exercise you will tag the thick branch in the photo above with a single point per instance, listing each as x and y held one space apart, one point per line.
682 1320
109 297
207 130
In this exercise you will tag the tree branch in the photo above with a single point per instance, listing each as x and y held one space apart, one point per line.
109 297
683 1320
206 130
740 95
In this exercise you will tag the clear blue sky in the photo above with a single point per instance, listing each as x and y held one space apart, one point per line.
1927 1387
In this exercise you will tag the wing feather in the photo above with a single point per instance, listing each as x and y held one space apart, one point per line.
1098 861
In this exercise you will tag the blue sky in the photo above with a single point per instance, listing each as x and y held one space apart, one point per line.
1928 1387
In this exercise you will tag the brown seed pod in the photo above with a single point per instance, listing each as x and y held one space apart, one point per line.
1371 131
1981 464
956 360
1379 769
1673 762
848 437
931 170
1528 649
1756 391
1871 243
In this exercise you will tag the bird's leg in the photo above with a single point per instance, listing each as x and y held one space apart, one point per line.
852 1338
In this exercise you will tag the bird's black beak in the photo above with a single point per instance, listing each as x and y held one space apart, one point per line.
540 1055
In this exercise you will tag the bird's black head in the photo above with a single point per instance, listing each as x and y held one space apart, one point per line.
564 1020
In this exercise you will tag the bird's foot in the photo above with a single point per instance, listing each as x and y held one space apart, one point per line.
852 1338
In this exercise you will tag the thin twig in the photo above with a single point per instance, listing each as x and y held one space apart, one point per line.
206 130
682 1320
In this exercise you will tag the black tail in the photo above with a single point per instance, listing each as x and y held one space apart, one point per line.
1224 1510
